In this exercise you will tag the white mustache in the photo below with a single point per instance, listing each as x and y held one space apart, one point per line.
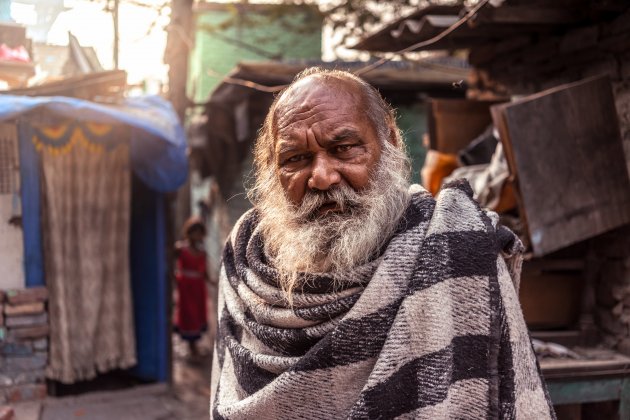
346 198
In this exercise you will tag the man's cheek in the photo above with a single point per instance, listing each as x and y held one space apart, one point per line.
358 178
293 186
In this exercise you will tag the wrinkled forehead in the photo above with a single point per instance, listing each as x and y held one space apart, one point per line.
313 94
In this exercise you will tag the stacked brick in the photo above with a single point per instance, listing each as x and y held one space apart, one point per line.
527 64
23 344
611 282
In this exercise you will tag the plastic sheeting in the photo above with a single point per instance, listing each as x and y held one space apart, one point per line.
158 142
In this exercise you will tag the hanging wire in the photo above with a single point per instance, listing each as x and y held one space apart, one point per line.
272 89
422 44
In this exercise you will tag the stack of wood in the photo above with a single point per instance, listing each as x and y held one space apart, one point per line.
23 344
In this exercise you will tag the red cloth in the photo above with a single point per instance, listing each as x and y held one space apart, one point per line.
191 316
18 54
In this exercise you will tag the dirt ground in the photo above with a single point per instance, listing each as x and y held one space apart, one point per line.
187 399
191 379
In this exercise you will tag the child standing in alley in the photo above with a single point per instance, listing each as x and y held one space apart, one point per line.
191 317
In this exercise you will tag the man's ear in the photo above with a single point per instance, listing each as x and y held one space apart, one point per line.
393 129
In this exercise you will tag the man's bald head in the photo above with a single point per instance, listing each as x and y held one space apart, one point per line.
379 112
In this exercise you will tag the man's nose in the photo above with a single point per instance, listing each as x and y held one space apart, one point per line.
324 174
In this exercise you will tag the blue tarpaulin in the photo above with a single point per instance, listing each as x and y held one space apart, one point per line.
158 142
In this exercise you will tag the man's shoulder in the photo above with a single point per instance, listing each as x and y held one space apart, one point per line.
246 219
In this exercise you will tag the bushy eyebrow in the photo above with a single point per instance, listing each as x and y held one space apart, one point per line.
287 148
345 134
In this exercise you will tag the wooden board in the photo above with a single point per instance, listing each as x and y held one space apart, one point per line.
12 34
106 85
454 123
594 361
564 149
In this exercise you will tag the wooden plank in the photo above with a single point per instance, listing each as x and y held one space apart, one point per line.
487 53
567 338
549 299
453 123
12 34
624 400
585 390
565 148
580 38
613 6
562 369
106 84
15 73
529 15
498 117
552 264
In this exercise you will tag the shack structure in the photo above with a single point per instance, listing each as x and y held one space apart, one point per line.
562 71
84 281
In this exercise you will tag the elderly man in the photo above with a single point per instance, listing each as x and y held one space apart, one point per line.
348 293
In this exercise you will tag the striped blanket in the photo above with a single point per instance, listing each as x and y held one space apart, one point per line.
432 329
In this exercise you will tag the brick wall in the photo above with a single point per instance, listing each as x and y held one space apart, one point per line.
524 65
23 344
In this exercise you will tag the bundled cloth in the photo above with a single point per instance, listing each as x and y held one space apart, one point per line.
431 329
490 182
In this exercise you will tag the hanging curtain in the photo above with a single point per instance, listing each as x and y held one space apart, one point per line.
86 189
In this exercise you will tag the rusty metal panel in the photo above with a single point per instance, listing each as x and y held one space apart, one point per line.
564 148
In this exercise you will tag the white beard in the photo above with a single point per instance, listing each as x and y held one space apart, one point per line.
299 241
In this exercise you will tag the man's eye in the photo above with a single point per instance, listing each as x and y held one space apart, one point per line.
343 148
295 158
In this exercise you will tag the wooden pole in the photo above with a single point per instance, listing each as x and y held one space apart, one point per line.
176 55
116 32
178 46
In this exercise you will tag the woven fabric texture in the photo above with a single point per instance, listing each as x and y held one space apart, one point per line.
431 329
86 222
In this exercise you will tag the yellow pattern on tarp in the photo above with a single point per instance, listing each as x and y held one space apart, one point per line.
99 129
81 135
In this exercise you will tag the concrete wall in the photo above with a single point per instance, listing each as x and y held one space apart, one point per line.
11 247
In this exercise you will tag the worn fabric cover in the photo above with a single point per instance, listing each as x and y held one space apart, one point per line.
432 329
85 217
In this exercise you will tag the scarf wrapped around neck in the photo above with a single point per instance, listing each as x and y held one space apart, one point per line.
431 329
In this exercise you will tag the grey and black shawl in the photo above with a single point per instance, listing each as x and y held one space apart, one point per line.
430 329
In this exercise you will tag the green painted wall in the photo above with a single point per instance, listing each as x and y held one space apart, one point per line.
270 31
412 120
5 11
